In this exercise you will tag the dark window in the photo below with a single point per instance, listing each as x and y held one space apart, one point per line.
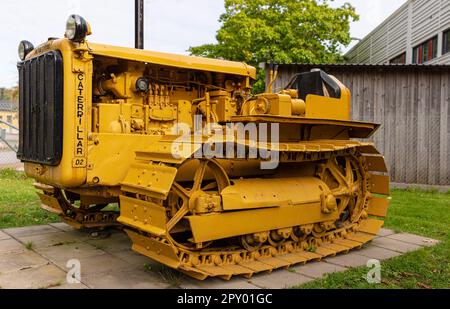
399 59
426 51
446 42
9 118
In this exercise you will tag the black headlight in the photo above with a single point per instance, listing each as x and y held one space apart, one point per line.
77 28
25 48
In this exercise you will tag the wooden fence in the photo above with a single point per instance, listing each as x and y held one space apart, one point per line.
412 104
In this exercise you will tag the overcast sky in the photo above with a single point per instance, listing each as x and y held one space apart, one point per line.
171 25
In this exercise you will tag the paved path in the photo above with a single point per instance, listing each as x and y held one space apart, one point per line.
37 256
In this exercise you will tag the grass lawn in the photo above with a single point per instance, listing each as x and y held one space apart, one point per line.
19 203
417 212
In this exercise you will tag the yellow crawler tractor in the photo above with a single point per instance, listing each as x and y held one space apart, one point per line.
206 178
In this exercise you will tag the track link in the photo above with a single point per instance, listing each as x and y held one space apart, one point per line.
226 264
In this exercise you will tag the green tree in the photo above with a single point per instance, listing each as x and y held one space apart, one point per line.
280 31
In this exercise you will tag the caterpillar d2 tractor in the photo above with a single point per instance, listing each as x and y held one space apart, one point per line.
206 178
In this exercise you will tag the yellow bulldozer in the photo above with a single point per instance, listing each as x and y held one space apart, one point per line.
204 176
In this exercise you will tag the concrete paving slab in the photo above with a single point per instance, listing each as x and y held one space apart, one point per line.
219 284
124 280
101 263
279 279
317 270
133 258
378 253
115 242
61 254
394 245
351 259
4 236
48 240
62 226
80 235
110 262
386 232
414 239
11 245
30 230
33 278
14 261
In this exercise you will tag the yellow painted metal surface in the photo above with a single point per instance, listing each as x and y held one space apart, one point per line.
144 216
327 108
262 193
380 184
376 164
161 252
378 206
151 179
121 154
371 226
358 129
173 60
77 76
135 146
204 228
50 203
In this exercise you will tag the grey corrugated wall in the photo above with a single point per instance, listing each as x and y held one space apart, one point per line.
412 24
411 103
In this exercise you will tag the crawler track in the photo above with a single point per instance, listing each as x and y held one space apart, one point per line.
361 173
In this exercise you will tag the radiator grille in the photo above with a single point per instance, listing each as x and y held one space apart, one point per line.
41 109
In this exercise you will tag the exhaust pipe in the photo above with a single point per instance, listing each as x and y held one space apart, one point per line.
139 24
